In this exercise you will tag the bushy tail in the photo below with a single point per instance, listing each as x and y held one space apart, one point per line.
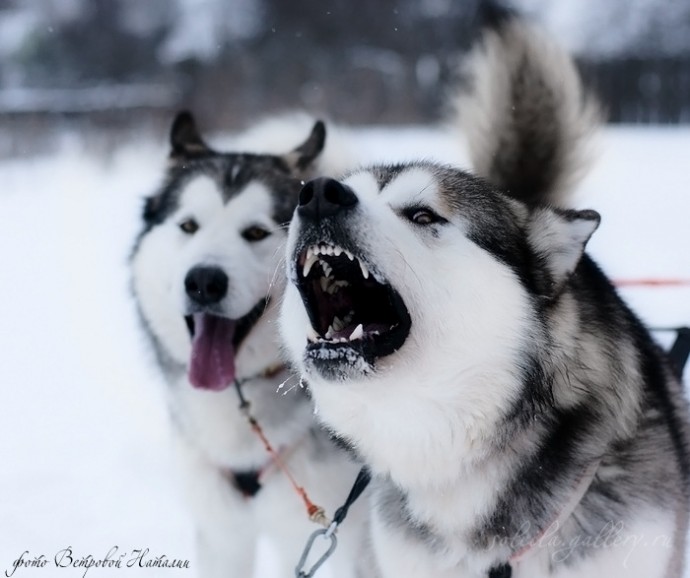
525 113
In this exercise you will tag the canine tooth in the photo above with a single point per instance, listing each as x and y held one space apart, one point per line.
329 332
365 271
327 269
312 335
350 256
337 251
357 333
311 259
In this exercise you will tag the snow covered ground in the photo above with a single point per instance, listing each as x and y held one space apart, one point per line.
83 435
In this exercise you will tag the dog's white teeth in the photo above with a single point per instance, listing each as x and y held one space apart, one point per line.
365 271
357 333
327 269
324 284
312 335
329 332
308 264
350 256
337 251
337 324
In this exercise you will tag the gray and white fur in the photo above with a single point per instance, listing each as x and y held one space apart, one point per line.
517 416
527 117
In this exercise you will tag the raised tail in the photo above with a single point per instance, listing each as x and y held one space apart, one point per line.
526 116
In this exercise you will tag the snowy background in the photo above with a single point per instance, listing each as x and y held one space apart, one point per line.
128 64
87 89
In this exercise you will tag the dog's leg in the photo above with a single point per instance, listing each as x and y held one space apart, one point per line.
226 534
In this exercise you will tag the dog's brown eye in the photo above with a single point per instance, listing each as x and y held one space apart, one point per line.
423 216
255 233
189 226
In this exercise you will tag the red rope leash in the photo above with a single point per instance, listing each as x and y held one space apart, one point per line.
650 282
314 512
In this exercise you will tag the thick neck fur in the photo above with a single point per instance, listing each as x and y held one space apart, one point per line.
488 425
459 409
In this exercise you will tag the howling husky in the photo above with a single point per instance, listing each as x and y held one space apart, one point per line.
205 276
516 416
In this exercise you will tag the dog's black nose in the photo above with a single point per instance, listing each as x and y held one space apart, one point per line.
323 198
206 285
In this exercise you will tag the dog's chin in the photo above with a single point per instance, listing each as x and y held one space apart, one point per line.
339 362
356 316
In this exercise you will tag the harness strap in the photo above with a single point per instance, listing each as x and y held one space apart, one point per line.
583 484
246 482
680 350
576 496
362 481
329 536
502 571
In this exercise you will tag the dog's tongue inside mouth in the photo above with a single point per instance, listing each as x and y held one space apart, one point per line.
212 365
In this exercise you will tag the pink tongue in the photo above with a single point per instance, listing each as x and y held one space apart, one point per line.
213 356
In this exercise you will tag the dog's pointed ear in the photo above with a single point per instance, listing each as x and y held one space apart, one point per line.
185 139
558 238
305 154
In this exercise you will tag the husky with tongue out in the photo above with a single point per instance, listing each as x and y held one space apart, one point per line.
207 279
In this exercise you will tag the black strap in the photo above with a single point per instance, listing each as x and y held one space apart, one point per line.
680 350
502 571
362 481
247 482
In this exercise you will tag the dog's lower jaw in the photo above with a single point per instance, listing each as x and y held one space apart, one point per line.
336 367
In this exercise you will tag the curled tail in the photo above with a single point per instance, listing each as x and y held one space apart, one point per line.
525 113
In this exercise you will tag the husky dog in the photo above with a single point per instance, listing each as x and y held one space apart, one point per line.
204 276
515 414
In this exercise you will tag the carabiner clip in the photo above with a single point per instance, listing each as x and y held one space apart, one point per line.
328 534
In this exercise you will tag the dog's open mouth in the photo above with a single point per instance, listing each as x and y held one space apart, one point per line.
215 341
350 308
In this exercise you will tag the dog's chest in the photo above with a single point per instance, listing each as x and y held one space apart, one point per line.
213 423
440 522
